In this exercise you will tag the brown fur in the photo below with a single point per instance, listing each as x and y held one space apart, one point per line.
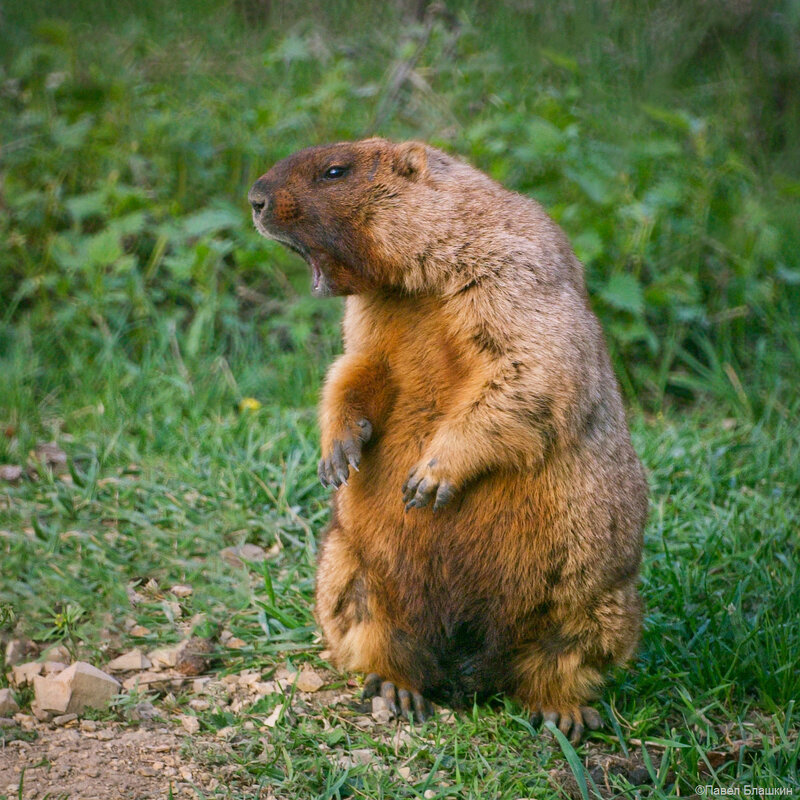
470 348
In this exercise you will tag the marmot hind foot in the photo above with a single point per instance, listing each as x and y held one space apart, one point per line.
401 702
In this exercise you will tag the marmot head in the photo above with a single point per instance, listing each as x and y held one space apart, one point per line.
360 213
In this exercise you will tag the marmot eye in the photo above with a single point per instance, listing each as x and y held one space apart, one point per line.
334 172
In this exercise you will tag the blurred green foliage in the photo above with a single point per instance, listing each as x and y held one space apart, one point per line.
663 136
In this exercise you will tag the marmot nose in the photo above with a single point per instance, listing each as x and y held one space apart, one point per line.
258 196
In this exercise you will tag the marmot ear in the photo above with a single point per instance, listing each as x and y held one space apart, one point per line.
410 160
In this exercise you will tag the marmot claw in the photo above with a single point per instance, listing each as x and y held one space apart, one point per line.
345 454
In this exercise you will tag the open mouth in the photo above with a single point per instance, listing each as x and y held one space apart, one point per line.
318 281
316 274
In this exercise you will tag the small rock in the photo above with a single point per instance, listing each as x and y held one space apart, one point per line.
236 643
23 674
362 756
165 656
10 473
106 734
53 667
76 688
199 705
405 772
130 661
403 739
429 793
154 680
238 556
144 711
139 630
190 724
88 725
7 722
51 694
380 710
51 455
40 713
181 590
57 653
17 650
309 681
272 720
64 719
8 705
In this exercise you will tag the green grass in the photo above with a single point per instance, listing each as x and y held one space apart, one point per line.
138 308
165 472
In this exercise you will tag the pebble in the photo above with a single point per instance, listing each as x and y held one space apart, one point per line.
23 674
309 681
132 660
380 710
190 724
8 705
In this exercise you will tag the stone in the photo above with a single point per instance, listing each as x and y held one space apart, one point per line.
7 722
23 674
236 643
130 661
10 473
17 650
64 719
198 704
272 720
190 724
8 705
181 590
245 553
380 710
53 667
139 630
309 681
40 713
354 757
165 656
144 711
51 695
154 680
57 653
51 455
405 772
76 688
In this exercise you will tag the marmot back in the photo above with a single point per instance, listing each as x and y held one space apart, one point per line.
487 522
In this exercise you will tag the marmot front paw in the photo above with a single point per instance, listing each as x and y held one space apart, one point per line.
344 452
425 481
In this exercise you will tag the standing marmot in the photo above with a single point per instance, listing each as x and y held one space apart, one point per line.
487 532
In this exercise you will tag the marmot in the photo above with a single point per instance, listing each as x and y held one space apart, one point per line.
486 534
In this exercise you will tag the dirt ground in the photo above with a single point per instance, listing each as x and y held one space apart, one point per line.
108 763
